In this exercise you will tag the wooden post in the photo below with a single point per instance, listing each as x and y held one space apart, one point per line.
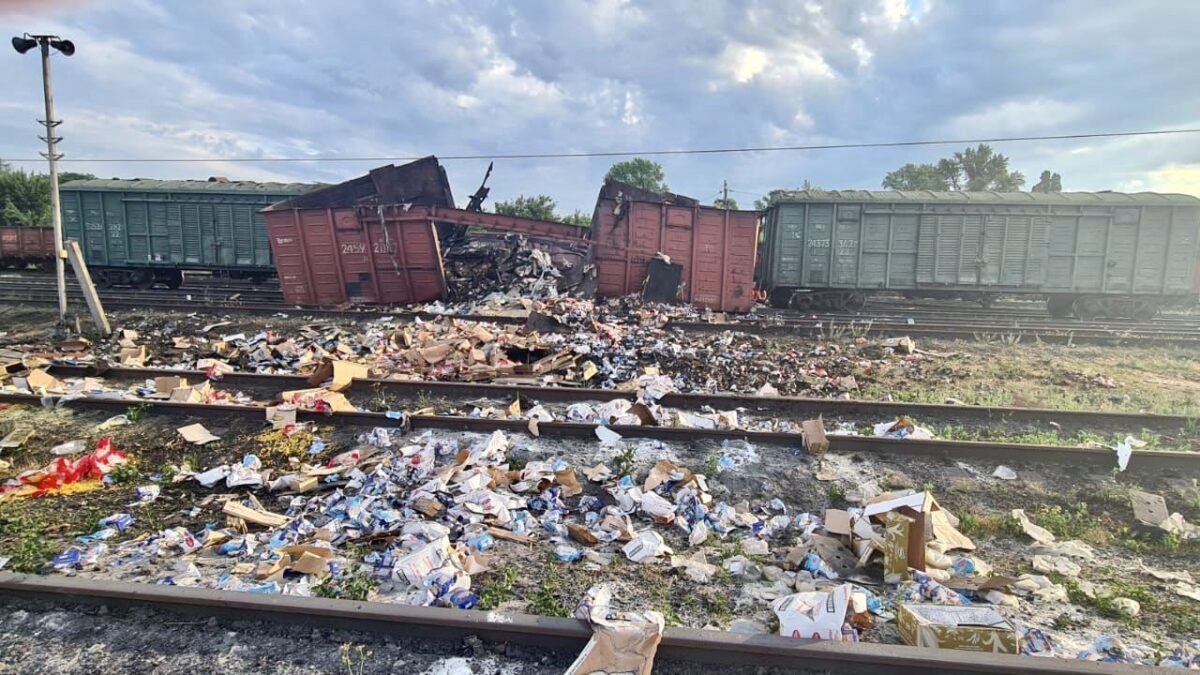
89 291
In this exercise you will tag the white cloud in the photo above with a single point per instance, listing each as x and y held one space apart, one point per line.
631 117
1182 178
862 52
790 65
1014 117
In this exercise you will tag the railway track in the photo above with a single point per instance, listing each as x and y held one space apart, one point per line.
1148 461
249 301
709 647
792 407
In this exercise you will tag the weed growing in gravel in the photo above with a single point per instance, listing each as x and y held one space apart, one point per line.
545 601
125 473
836 493
968 524
356 586
354 658
22 537
379 401
498 589
717 606
135 413
623 465
1075 523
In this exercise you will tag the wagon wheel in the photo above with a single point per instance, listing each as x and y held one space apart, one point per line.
101 279
143 280
856 301
174 279
1088 308
1058 306
802 301
780 298
1145 311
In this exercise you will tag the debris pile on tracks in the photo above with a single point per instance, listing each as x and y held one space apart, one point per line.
418 519
563 341
421 519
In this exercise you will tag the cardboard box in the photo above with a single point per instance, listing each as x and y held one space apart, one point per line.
971 628
910 522
816 615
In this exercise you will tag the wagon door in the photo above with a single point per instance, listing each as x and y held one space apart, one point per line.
1122 244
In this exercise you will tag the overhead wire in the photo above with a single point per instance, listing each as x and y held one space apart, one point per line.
640 153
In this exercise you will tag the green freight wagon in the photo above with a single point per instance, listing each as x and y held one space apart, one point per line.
1090 254
141 232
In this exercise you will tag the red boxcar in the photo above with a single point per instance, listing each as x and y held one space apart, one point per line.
24 245
339 256
356 242
716 247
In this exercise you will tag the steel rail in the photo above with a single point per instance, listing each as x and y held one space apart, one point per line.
1074 335
1144 461
551 633
796 407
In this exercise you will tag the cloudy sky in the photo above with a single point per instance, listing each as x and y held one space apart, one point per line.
365 78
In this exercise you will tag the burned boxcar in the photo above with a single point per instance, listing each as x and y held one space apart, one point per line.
1090 254
713 247
380 238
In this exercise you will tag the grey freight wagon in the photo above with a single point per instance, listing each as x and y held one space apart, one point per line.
141 232
1090 254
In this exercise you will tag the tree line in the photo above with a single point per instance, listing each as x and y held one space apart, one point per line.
974 169
25 196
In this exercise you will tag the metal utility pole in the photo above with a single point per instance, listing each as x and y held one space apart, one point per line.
725 189
67 48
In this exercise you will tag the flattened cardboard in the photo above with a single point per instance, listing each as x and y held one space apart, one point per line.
39 380
197 434
16 437
837 521
972 628
264 518
1149 508
163 386
343 374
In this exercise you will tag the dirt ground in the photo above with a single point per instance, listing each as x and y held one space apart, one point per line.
1074 506
1095 509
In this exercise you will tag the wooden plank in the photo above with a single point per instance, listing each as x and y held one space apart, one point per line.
89 291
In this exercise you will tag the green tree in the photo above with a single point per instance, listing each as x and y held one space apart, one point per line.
917 177
579 219
640 173
765 202
24 197
537 207
1048 182
974 169
730 203
541 207
68 176
981 168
